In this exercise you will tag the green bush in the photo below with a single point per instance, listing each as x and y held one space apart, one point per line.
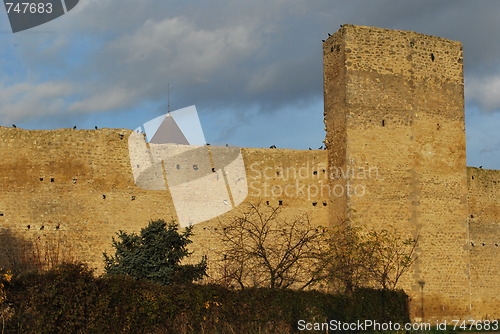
155 254
69 299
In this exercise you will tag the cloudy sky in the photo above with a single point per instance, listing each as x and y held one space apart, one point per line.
252 68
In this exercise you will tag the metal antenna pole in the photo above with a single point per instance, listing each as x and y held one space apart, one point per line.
168 97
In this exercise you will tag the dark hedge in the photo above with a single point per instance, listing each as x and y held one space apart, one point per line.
69 299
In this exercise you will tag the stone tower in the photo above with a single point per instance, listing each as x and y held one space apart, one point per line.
394 116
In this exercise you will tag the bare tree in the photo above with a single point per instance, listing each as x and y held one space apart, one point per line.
261 247
395 255
348 258
21 254
355 257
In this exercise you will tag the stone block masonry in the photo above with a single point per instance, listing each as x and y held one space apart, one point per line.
376 111
394 103
77 187
484 228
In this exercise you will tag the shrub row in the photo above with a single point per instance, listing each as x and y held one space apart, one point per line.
69 299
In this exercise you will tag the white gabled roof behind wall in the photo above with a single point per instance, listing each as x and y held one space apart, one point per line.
180 126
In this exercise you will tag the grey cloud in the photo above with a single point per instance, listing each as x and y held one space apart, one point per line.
484 91
264 53
223 55
227 53
27 100
490 149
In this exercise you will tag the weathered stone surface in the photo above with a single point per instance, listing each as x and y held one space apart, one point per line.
394 103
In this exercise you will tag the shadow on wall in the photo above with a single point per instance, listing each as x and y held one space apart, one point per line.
20 254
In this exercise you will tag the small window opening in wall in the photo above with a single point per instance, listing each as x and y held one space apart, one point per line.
383 122
41 228
267 202
324 203
472 244
103 196
496 245
52 179
1 214
483 244
213 170
133 198
121 136
472 216
324 171
473 177
58 226
438 126
41 179
315 203
278 173
432 57
195 167
178 166
315 172
280 202
29 226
